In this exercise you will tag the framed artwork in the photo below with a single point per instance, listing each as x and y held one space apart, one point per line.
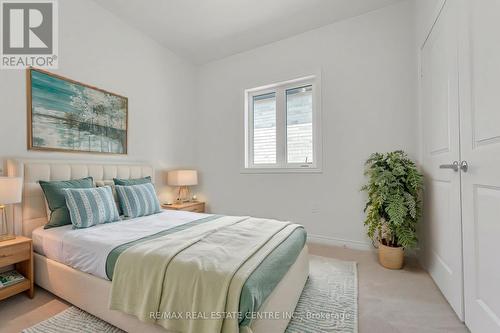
66 115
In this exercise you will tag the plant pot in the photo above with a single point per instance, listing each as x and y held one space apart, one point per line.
391 257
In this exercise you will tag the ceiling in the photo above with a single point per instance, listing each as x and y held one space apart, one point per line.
206 30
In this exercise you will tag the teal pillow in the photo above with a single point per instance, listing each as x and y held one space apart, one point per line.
138 200
90 206
53 190
128 182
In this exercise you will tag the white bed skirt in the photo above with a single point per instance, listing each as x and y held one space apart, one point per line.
91 294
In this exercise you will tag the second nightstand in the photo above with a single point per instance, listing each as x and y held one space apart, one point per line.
18 252
193 206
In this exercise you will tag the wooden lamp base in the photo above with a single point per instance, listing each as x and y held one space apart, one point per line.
183 194
3 227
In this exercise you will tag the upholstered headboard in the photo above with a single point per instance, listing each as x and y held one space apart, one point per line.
31 213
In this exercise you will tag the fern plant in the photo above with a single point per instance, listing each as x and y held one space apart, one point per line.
394 199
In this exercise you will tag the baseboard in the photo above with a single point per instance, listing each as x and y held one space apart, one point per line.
333 241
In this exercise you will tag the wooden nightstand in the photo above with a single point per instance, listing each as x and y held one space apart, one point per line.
193 206
18 252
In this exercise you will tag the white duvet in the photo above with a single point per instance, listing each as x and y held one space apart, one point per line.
87 249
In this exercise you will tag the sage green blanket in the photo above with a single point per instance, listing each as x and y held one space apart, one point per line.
191 281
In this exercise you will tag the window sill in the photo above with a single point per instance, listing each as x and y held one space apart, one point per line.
279 170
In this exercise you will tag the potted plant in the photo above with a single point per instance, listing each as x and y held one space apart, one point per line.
394 205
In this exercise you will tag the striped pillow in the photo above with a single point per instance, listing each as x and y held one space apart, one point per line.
91 206
138 200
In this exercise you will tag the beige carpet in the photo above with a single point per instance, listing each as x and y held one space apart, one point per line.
389 301
405 301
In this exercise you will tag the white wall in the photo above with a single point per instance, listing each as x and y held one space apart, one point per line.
368 69
426 12
99 49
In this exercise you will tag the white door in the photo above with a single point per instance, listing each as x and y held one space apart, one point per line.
480 133
441 227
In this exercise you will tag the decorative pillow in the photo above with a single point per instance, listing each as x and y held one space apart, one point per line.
101 183
128 182
138 200
53 190
91 206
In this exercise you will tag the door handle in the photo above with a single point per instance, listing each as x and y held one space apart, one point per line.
464 166
453 166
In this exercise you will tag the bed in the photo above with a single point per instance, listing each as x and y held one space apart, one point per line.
78 273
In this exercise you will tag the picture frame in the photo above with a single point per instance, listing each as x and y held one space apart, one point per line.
65 115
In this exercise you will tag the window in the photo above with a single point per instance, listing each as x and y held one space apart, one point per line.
282 127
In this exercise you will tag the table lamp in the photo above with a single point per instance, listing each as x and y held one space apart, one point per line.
11 189
183 179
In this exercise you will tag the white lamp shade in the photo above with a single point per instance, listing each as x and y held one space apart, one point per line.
182 177
11 190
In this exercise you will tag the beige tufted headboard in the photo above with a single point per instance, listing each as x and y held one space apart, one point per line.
31 213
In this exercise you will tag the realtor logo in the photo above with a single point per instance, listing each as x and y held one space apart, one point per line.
29 34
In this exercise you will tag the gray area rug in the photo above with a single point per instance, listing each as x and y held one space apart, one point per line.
329 303
73 320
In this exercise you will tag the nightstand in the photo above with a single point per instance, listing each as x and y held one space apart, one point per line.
18 252
193 206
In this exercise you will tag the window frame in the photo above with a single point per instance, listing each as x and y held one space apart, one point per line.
282 165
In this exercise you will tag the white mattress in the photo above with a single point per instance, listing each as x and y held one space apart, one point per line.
87 249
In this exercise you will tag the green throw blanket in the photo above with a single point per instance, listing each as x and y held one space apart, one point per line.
191 280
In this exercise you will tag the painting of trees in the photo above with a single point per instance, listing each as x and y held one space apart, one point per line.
74 116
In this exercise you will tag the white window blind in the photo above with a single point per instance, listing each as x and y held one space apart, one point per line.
264 129
299 125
